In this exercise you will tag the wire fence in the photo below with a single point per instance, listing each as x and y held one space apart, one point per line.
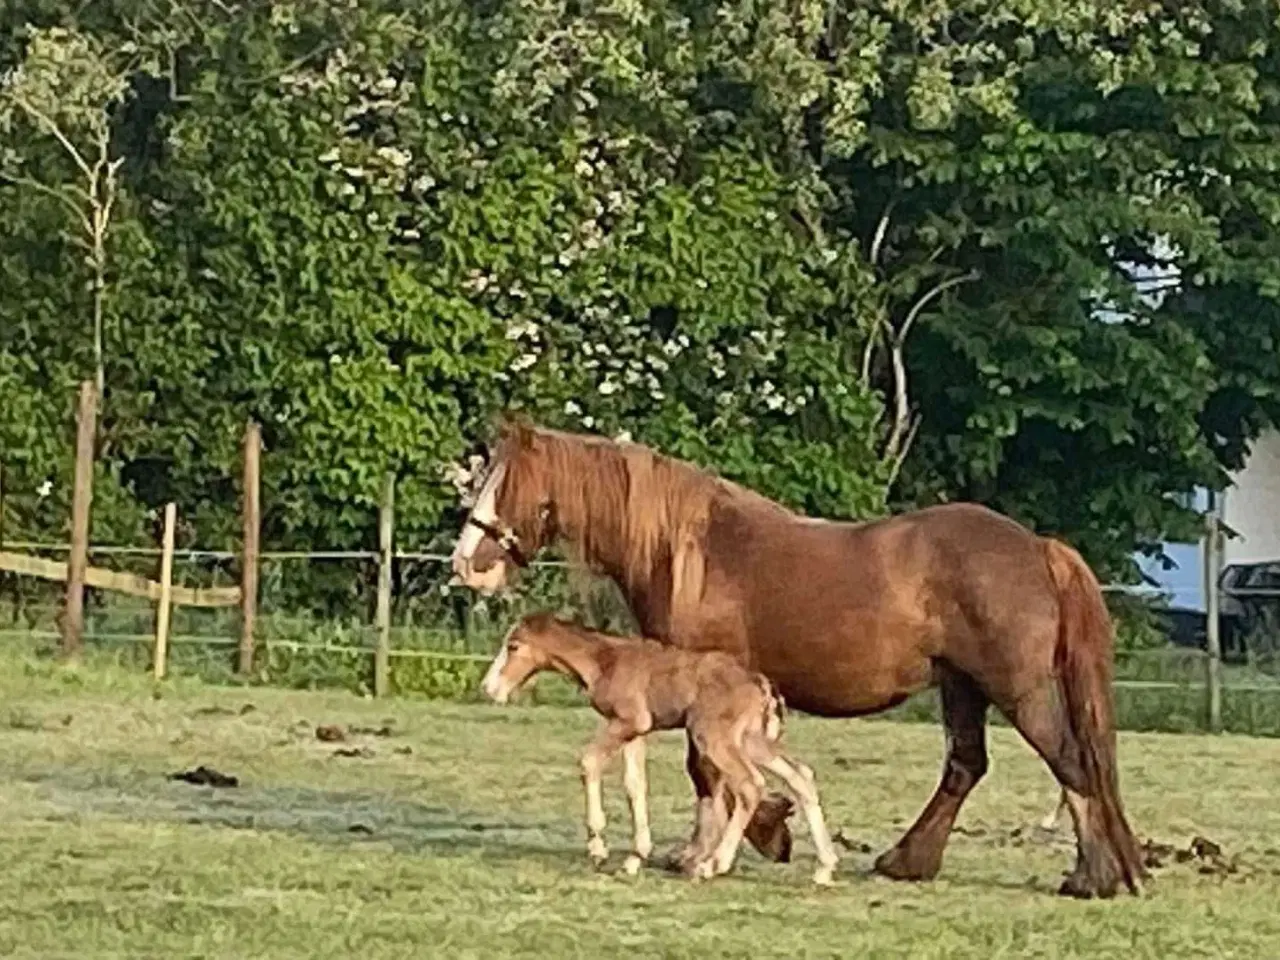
316 627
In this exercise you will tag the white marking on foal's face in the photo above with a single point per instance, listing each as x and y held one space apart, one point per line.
494 684
485 512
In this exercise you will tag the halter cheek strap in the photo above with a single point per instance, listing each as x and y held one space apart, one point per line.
505 538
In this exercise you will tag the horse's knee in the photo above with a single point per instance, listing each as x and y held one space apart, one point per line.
968 755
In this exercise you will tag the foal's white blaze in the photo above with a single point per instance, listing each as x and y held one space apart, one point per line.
493 686
486 512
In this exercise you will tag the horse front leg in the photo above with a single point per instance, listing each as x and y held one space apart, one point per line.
918 855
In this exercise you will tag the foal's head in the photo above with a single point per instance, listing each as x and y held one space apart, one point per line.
523 654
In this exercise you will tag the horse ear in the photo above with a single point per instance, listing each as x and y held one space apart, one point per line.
516 428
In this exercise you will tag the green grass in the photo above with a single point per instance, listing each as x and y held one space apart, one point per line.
460 836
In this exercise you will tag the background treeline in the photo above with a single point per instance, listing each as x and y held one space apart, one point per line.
859 255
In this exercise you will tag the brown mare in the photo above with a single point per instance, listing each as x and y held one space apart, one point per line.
846 619
733 716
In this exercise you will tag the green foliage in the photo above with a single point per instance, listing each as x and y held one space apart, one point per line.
854 255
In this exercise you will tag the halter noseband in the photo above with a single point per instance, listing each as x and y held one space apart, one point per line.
505 538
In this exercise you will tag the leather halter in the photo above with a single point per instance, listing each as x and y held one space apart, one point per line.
505 538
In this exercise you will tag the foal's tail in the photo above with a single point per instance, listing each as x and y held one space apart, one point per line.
775 708
1084 659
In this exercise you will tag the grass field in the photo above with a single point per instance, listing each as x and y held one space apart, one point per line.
456 833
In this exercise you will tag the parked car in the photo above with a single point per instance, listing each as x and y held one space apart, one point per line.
1248 609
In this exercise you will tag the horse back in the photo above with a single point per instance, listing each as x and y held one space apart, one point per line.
852 617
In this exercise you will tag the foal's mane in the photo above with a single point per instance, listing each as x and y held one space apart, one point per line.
622 508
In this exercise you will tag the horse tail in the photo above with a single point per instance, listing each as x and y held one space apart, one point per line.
1084 659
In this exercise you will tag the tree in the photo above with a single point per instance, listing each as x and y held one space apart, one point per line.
67 89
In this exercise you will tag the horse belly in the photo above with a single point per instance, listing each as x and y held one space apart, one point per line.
836 691
843 674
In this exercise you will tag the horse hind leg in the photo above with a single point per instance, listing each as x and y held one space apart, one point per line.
918 855
1041 717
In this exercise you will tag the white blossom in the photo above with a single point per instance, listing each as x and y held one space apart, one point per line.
524 362
394 156
527 328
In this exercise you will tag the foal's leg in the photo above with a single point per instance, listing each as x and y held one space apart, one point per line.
633 778
918 855
745 784
1050 821
767 831
800 780
594 759
710 810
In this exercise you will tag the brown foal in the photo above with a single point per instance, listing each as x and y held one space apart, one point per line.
733 715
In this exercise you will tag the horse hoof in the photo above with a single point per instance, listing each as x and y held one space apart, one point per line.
631 866
1078 886
824 876
896 865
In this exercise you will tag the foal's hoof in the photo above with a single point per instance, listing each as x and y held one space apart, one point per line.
631 866
680 861
825 876
704 870
597 851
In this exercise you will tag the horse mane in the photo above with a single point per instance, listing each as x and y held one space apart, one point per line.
622 509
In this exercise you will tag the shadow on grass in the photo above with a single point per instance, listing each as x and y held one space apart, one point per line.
355 819
342 817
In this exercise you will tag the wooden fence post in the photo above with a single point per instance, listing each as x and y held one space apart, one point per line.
386 537
1212 608
250 548
165 604
81 500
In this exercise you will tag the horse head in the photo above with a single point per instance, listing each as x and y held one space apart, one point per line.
513 515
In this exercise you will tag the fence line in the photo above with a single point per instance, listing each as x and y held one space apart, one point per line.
246 560
196 554
431 557
197 640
